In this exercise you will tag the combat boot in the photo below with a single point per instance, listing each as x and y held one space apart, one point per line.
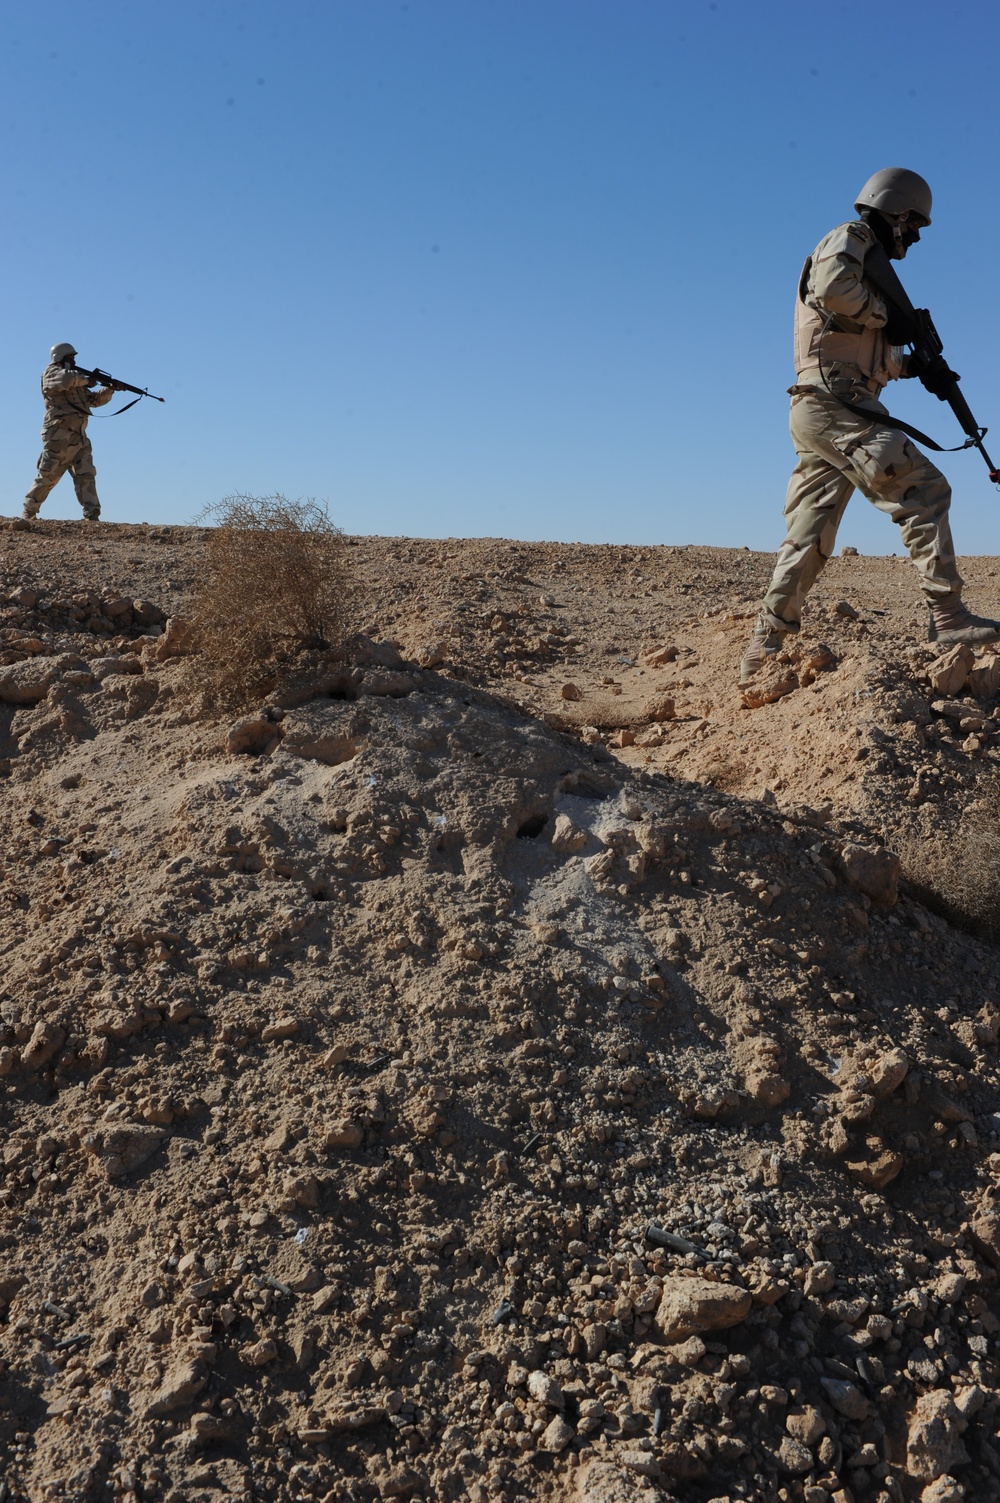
765 642
92 514
30 512
953 624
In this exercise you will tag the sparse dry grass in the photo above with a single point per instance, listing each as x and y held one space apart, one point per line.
273 583
956 872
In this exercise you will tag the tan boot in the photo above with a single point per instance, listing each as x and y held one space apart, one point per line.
953 624
30 512
767 638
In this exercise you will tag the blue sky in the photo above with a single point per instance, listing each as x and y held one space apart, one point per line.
477 267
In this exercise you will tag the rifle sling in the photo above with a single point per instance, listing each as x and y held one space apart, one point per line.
886 421
120 410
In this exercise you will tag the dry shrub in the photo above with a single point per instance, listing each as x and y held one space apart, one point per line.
956 871
273 583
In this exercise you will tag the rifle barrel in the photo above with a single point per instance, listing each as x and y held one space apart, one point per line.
108 380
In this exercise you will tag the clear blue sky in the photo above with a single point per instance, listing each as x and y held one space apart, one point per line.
483 267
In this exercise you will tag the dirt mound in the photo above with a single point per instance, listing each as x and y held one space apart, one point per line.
409 1094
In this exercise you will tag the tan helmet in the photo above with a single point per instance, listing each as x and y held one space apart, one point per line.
896 190
60 351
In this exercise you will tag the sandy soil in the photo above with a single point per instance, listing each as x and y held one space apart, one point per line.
506 1064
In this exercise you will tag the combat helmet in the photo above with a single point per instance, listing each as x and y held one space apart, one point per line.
59 352
897 191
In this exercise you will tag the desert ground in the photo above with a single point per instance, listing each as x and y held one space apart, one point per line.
507 1062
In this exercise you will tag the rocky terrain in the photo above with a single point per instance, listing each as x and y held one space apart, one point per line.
510 1062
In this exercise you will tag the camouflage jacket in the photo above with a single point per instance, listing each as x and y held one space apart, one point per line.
68 403
832 285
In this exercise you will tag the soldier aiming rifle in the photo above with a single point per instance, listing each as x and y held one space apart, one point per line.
69 401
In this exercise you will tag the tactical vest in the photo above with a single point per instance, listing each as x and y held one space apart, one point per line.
848 350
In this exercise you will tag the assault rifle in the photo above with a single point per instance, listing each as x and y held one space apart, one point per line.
102 377
915 327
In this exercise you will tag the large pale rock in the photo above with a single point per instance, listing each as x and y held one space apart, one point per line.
949 673
689 1306
875 872
887 1072
944 1490
178 639
606 1482
985 1230
27 683
566 836
180 1385
45 1042
121 1149
934 1445
984 679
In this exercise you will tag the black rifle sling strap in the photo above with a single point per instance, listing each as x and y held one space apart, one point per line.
880 270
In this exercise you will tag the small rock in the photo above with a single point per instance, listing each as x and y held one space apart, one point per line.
181 1384
430 655
794 1456
281 1028
984 679
325 1299
566 836
820 1278
985 1231
846 610
768 1089
545 1389
805 1424
343 1135
690 1306
875 872
571 691
887 1072
557 1435
260 1353
949 673
881 1166
46 1041
933 1444
846 1398
121 1149
944 1490
643 1463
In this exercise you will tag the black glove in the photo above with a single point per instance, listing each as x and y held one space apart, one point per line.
935 374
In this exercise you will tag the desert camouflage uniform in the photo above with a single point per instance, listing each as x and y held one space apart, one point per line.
839 450
65 445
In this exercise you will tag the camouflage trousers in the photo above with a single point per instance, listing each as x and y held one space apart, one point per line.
65 449
839 452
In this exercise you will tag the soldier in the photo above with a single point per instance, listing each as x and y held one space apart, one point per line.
844 348
65 445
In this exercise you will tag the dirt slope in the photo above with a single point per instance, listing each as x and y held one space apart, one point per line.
350 1051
